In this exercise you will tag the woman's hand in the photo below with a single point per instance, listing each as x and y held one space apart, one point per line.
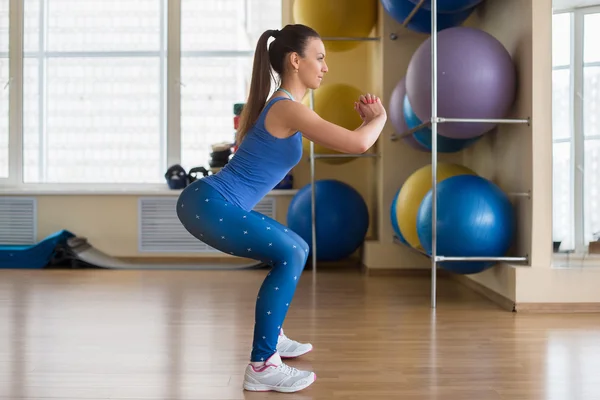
359 111
369 107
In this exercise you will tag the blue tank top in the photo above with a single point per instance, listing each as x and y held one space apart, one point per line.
259 164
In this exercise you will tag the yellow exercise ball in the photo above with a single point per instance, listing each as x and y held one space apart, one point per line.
334 103
412 193
347 18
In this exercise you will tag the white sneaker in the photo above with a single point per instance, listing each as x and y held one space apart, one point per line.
276 376
288 348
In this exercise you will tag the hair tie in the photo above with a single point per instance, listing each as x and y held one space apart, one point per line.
275 33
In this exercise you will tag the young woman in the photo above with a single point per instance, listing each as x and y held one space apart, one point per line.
218 209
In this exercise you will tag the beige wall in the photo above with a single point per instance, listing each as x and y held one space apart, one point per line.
360 68
529 150
542 283
109 222
519 158
505 155
516 157
398 160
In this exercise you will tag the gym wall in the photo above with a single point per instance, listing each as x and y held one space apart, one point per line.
359 67
518 158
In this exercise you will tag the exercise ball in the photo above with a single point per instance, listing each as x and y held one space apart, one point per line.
476 79
394 219
342 218
334 103
474 219
423 136
397 116
449 6
421 21
412 193
341 18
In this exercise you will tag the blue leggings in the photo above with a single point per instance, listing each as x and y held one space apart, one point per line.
208 216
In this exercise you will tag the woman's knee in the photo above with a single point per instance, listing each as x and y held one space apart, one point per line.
300 255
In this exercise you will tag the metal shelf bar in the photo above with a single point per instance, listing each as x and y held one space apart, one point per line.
485 120
444 258
414 12
345 155
507 259
352 39
434 149
409 132
313 201
520 194
442 120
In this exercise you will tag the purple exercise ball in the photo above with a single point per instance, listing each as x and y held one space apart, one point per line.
397 115
476 79
449 6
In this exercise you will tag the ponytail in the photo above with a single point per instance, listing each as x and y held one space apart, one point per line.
260 86
292 38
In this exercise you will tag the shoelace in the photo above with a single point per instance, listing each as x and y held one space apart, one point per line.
286 369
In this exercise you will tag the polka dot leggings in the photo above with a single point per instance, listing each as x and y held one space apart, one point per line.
208 216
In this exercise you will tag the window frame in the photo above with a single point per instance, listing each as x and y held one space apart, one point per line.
171 100
576 67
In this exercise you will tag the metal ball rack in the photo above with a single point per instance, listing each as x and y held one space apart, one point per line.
433 124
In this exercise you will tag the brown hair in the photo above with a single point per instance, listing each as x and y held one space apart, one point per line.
292 38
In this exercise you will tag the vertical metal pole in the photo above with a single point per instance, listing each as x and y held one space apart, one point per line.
312 193
172 105
42 92
434 89
15 92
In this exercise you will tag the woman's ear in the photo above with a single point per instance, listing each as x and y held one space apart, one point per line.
294 61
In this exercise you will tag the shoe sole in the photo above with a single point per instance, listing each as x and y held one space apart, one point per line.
268 388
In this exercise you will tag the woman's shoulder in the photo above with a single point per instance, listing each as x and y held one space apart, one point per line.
277 116
281 106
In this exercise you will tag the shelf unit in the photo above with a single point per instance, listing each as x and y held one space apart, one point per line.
313 156
433 124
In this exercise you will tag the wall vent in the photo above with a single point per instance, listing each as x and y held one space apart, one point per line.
159 229
18 220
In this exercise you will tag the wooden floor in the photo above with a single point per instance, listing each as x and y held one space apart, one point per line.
186 335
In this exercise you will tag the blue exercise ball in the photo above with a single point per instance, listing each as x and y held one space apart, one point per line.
421 21
423 136
474 218
342 218
394 219
450 6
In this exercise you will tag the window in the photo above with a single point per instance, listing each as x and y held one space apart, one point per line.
562 136
591 127
93 109
97 78
218 39
576 128
4 88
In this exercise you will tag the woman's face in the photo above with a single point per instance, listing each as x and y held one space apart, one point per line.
312 66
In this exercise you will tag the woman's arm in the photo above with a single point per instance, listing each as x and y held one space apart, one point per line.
299 117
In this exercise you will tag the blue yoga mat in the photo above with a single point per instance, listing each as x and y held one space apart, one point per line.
35 256
64 246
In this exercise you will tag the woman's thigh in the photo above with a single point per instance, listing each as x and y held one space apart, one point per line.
235 231
301 242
